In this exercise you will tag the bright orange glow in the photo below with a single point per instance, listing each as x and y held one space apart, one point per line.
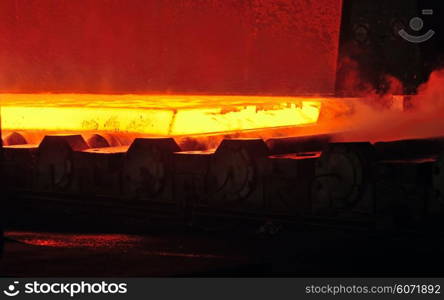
165 115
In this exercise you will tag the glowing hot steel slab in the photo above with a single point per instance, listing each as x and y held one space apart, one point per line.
166 115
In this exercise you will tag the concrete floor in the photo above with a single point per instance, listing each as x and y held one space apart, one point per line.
301 252
68 254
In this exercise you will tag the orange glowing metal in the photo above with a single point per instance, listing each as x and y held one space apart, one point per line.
166 115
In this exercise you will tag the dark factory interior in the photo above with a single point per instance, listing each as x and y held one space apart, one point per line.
222 138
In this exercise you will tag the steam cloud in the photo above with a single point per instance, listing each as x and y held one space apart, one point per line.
382 118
